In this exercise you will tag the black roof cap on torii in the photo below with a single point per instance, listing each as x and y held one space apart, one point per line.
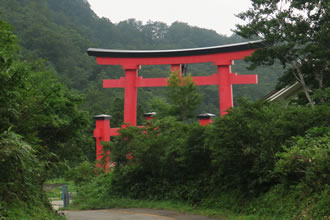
175 53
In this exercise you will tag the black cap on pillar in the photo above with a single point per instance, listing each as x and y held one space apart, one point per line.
102 117
206 116
150 114
205 119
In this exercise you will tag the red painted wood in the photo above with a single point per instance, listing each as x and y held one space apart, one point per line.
206 80
114 83
205 121
102 132
114 131
153 82
176 68
148 118
225 89
243 79
199 81
130 102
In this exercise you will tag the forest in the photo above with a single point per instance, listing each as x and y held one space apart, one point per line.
261 159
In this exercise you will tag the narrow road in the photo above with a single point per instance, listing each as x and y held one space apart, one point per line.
131 214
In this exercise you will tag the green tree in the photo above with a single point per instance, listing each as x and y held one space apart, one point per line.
39 108
30 102
182 98
296 33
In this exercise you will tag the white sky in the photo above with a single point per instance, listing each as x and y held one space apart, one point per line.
218 15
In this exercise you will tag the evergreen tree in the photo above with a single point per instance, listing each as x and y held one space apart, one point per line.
181 98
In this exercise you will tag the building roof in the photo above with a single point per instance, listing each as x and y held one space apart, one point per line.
283 93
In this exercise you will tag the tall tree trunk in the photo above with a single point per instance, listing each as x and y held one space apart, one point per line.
300 77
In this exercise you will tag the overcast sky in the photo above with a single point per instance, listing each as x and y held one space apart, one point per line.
218 15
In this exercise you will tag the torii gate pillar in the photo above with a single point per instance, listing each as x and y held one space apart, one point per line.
130 102
102 133
225 88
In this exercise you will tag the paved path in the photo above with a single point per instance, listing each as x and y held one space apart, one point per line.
131 214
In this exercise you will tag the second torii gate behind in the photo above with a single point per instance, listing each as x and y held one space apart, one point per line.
131 60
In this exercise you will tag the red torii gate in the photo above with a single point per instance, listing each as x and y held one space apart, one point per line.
131 60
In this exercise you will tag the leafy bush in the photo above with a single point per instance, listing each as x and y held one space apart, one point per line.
94 193
306 159
244 143
304 166
20 169
35 210
82 173
166 153
290 202
40 125
238 162
22 176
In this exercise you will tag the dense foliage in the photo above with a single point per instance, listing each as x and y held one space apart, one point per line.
296 33
39 121
258 152
35 105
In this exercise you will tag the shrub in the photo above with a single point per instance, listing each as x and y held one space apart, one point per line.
83 172
244 143
231 161
169 160
306 159
94 193
20 169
